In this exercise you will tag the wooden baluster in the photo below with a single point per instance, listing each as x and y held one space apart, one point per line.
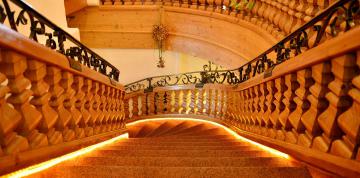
158 2
143 104
321 74
349 123
111 108
215 102
302 104
226 3
289 104
117 2
249 107
116 108
176 3
128 2
168 3
253 107
279 105
211 5
95 111
151 103
256 103
182 104
300 8
148 2
107 2
218 6
102 113
156 102
219 104
263 106
257 108
107 103
188 101
262 6
291 19
88 103
194 4
69 103
122 103
200 102
202 4
254 14
246 107
138 2
80 105
135 105
224 107
270 85
167 102
185 3
10 118
36 72
163 102
208 101
126 109
194 94
53 77
344 69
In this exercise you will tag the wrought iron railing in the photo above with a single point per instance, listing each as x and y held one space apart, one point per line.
54 37
336 19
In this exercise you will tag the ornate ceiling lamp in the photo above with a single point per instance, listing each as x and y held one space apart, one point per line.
160 33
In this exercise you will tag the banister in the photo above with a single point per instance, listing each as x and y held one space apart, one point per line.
308 36
38 23
49 108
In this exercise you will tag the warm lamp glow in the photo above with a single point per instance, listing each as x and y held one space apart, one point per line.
231 132
47 164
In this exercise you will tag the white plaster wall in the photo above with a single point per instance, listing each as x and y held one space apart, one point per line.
136 64
54 10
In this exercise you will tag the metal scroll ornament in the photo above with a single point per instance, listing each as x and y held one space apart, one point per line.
160 33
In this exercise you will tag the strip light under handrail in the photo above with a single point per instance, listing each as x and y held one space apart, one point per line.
47 164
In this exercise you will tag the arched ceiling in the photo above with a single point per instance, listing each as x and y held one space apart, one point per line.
229 38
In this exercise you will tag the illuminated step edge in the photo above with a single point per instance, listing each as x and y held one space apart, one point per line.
231 132
47 164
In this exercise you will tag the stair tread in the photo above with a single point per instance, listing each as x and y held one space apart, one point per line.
183 153
140 171
186 161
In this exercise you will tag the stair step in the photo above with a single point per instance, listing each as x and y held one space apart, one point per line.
180 143
184 162
199 136
174 172
167 139
197 127
177 147
163 128
181 153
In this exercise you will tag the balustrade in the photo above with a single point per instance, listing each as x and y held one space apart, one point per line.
48 108
278 17
307 105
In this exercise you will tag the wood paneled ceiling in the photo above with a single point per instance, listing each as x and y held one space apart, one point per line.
224 39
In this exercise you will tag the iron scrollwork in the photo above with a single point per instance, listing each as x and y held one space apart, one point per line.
55 37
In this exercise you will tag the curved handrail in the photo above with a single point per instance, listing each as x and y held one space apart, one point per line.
324 26
38 23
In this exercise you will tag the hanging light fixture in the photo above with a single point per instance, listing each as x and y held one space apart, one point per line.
160 33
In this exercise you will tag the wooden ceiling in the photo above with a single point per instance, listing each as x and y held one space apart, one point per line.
224 39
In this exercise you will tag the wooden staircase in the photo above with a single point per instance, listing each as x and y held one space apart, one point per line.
178 149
